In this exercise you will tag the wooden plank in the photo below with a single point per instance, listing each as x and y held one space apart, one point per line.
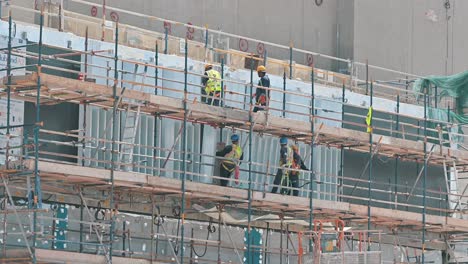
239 118
141 182
54 256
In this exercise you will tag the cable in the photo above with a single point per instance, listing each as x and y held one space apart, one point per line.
176 211
100 213
157 219
210 229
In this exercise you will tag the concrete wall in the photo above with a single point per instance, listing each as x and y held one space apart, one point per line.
307 25
412 36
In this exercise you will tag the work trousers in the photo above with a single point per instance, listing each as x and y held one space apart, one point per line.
214 99
294 178
226 173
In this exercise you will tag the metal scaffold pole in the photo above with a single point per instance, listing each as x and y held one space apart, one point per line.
114 137
341 173
423 246
155 130
37 179
10 39
184 156
249 194
397 159
311 175
290 60
222 86
369 194
284 93
166 33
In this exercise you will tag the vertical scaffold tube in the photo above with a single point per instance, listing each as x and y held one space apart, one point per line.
284 93
184 156
10 39
249 194
290 60
155 130
369 194
37 179
114 136
166 35
423 247
311 175
341 174
397 159
222 85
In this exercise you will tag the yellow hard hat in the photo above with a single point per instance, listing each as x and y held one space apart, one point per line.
208 66
261 68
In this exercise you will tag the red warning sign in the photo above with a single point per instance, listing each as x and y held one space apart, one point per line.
190 29
167 26
310 60
114 16
94 11
260 48
243 45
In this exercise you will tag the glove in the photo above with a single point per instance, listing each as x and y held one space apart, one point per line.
236 175
262 99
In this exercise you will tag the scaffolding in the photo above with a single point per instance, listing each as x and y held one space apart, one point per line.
100 184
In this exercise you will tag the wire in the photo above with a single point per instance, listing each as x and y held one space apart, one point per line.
100 213
176 212
210 229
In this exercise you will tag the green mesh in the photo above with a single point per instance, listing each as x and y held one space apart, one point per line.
441 115
455 86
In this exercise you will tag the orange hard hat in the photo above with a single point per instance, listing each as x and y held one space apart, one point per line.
261 68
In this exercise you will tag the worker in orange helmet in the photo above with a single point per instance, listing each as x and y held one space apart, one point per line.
212 83
262 94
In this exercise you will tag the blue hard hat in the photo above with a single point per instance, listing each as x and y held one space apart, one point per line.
283 141
234 137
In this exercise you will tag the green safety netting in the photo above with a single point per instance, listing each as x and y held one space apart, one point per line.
455 86
441 114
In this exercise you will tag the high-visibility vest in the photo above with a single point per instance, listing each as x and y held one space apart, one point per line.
235 154
369 120
289 158
214 82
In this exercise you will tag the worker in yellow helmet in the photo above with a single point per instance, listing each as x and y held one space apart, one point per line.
212 83
262 94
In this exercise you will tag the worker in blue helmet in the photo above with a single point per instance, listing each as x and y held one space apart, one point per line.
288 174
232 156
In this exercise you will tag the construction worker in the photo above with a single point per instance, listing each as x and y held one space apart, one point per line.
262 95
289 159
212 85
233 154
297 164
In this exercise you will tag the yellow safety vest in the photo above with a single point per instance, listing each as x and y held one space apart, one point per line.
369 120
290 158
235 154
214 82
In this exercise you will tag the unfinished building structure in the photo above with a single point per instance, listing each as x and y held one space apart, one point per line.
109 153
